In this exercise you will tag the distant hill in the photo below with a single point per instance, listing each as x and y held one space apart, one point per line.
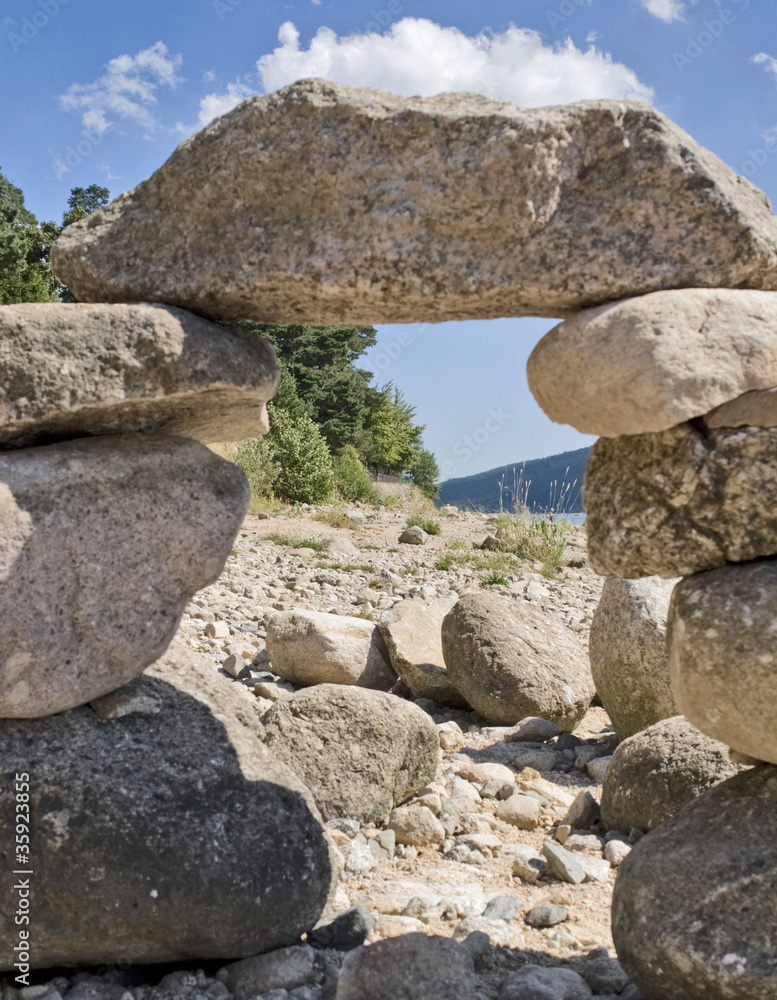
540 483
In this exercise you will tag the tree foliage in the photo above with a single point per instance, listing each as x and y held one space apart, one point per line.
425 473
25 244
25 271
394 438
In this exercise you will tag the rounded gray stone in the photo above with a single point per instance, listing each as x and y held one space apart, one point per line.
74 370
410 967
682 501
723 655
103 543
468 207
412 633
693 909
655 773
629 655
537 982
313 647
649 363
512 659
360 752
154 835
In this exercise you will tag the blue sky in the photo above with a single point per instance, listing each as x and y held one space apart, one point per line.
102 92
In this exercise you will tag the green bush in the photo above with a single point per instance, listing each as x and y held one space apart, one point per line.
255 458
530 538
352 480
305 473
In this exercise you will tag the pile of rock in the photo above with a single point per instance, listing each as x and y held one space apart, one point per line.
114 515
623 204
681 484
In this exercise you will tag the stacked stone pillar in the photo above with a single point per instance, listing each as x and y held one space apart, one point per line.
684 484
139 815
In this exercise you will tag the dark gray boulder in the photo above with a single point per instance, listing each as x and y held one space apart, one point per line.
155 830
694 906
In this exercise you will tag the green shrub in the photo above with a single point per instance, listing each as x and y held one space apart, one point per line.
255 458
352 480
529 538
495 578
304 464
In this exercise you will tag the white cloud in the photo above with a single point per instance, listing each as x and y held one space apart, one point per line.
213 105
768 61
667 10
127 89
417 56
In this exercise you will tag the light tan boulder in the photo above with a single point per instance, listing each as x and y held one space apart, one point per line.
411 631
360 752
649 363
448 207
313 647
103 543
682 501
629 655
511 659
71 370
723 655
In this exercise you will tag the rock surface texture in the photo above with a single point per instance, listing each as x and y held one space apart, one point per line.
650 363
76 370
185 778
311 647
657 772
682 501
104 542
693 910
412 633
723 655
629 655
360 752
448 207
511 660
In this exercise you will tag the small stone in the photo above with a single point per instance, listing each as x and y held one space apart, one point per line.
616 852
413 536
416 826
596 869
217 630
563 864
284 969
546 915
383 844
532 729
528 866
597 768
344 931
583 812
414 965
502 908
604 974
536 982
522 811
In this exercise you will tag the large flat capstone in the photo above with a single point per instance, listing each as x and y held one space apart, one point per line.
75 370
161 831
650 363
324 203
103 541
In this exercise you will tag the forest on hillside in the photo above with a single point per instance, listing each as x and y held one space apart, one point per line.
331 430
